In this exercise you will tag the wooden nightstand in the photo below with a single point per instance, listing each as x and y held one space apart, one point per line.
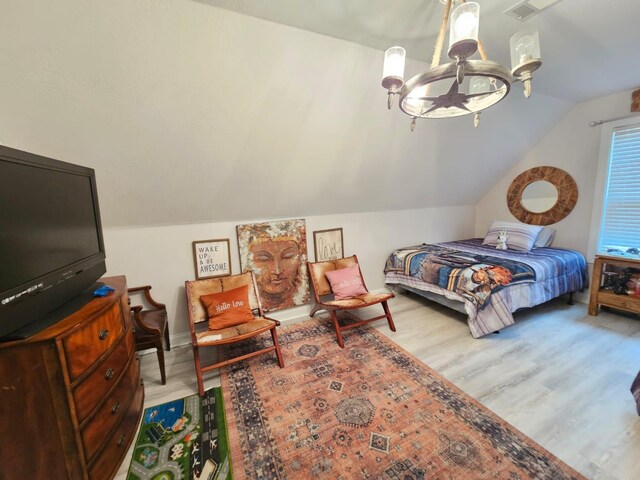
629 303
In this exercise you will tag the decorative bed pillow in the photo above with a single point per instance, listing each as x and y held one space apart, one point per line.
346 282
226 309
545 237
520 236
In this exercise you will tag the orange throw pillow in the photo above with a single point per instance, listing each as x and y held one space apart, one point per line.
226 309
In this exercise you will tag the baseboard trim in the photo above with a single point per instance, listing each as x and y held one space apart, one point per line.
285 316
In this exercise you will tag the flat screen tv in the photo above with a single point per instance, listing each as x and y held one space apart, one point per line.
51 245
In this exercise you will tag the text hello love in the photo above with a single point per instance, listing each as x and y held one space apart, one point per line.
226 305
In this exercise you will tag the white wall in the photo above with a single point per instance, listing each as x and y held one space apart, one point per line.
184 108
190 113
162 256
573 146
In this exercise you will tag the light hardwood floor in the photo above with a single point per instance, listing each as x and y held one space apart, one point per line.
558 375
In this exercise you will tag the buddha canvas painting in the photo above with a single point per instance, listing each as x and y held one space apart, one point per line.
277 253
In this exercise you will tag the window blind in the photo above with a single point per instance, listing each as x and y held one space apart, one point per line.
620 227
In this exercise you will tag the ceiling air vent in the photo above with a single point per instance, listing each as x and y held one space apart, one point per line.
528 8
522 11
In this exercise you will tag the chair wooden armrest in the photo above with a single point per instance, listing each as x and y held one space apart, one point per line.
140 323
146 290
277 322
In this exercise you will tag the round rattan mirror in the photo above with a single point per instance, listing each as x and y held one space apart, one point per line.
567 195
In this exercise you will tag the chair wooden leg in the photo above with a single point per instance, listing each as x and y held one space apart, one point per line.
274 336
314 310
166 338
336 325
388 313
196 360
160 352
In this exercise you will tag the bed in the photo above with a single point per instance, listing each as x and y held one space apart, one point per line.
486 283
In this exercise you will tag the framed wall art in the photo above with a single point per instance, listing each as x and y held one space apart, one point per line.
212 258
328 244
277 254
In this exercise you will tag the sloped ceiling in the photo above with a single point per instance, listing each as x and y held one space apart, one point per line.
584 42
194 113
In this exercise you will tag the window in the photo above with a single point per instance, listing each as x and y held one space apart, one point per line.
620 221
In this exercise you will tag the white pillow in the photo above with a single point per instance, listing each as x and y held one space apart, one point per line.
521 236
545 237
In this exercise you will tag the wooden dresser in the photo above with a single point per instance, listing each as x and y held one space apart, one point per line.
71 395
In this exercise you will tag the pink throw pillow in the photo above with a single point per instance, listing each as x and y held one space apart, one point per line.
346 282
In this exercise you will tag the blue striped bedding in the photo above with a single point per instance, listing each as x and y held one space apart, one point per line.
557 271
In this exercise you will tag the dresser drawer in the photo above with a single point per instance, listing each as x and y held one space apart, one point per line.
87 343
88 393
111 411
106 463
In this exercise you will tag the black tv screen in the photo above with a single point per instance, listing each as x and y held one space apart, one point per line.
51 246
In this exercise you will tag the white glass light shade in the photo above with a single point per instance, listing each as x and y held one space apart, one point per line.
465 20
480 84
525 48
393 69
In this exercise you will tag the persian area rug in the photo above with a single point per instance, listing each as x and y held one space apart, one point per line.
183 439
368 411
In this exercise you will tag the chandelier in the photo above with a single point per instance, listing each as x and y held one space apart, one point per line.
486 82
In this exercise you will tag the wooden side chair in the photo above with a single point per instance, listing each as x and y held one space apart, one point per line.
150 325
325 298
203 337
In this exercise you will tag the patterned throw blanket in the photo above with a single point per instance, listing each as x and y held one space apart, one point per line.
471 275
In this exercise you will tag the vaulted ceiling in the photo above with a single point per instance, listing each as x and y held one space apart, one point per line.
194 113
585 43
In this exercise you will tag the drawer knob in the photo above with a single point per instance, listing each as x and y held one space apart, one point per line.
115 408
103 334
121 440
108 374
